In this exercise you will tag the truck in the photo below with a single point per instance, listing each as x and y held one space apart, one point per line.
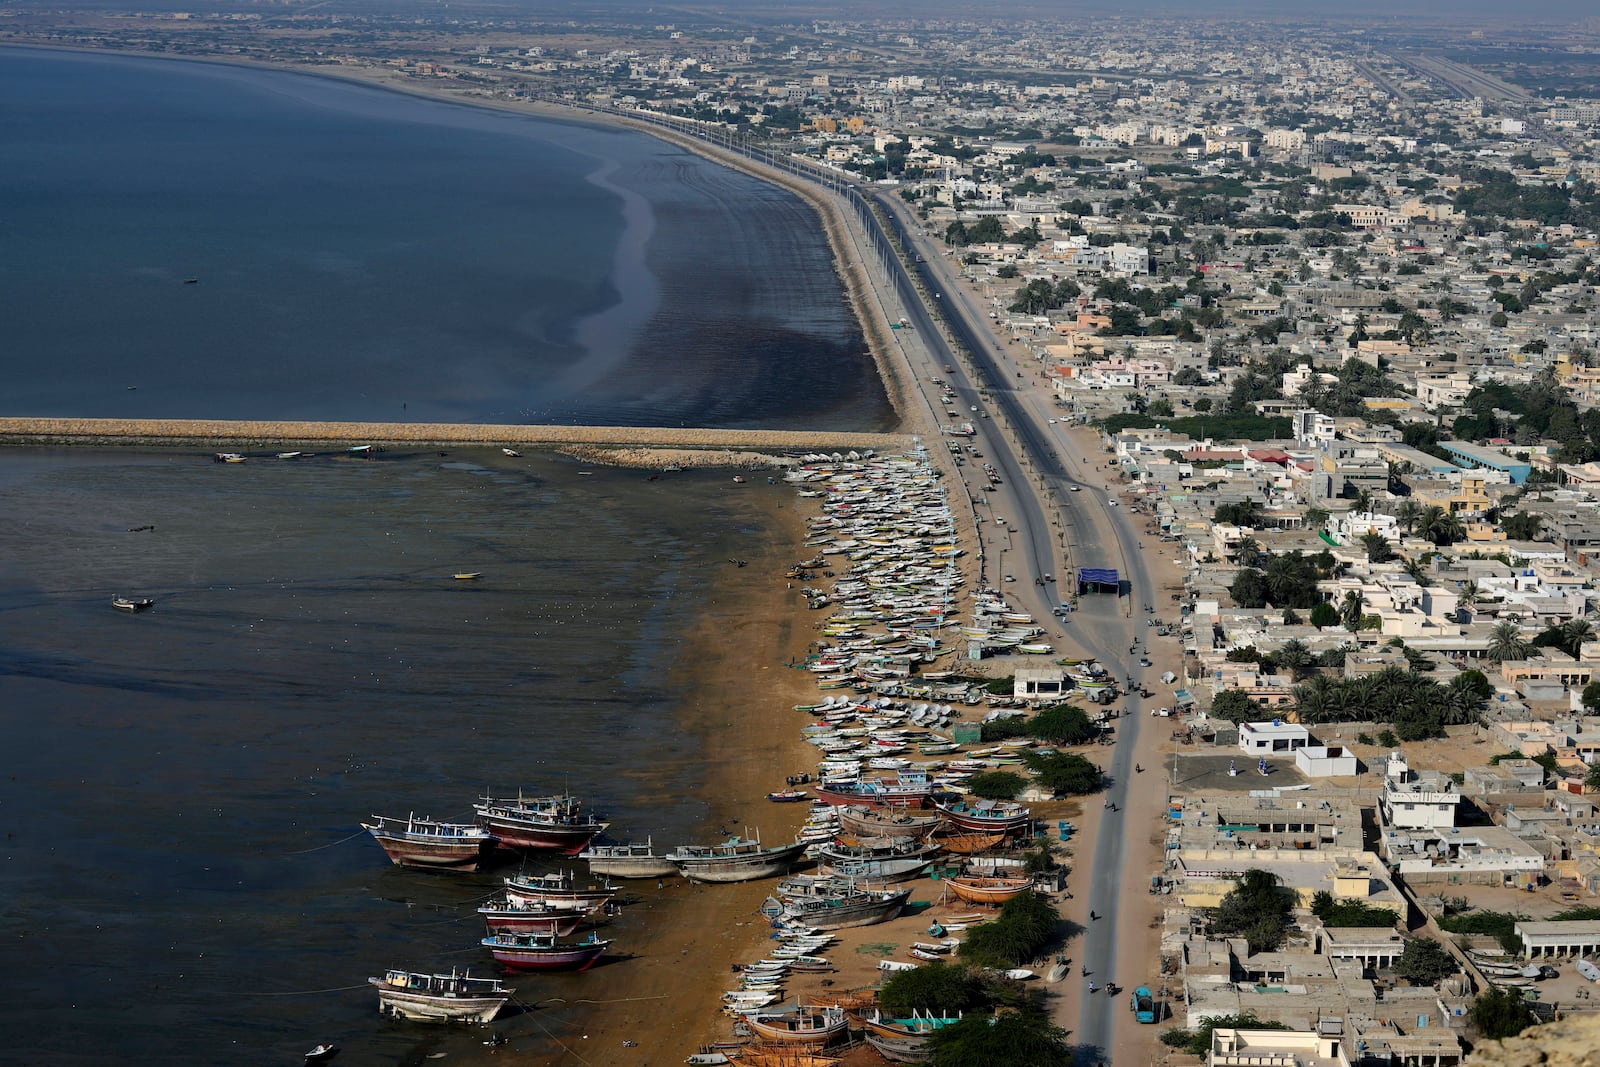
1143 1003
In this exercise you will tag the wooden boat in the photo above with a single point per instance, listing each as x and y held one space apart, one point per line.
452 846
540 824
467 576
913 1049
813 1026
131 604
878 861
735 860
864 823
532 916
628 860
559 887
986 816
513 453
908 789
988 890
453 997
788 796
543 952
784 1056
322 1053
833 904
968 844
290 455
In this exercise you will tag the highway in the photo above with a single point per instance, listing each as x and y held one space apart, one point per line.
1049 530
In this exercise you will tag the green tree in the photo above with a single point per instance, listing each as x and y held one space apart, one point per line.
1324 615
1350 610
1240 513
1027 923
1424 962
937 987
1064 773
1507 643
996 785
1063 724
1591 781
1295 658
1257 908
1235 706
1499 1013
1523 526
1440 526
1015 1039
1591 695
1377 546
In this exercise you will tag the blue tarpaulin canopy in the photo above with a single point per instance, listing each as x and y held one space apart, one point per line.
1098 580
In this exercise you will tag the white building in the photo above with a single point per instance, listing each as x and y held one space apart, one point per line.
1325 761
1272 738
1417 800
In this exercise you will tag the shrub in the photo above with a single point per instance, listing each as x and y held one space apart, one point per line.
1015 1039
996 785
1499 1013
936 987
1027 923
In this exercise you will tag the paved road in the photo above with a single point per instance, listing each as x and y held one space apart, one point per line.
1039 472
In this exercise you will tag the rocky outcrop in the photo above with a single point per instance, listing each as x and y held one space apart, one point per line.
1571 1042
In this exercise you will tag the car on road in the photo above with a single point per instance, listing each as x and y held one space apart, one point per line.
1144 663
1077 489
1052 422
1010 578
974 407
1113 503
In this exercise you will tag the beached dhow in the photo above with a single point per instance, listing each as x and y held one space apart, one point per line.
982 890
865 823
878 860
559 888
629 860
737 859
453 997
907 789
539 824
532 916
986 816
804 1026
422 842
544 952
836 904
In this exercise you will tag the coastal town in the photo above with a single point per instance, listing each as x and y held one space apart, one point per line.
1266 729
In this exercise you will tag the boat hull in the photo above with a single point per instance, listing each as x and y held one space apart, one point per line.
819 915
428 1009
540 958
742 867
792 1029
840 796
535 837
988 890
900 1049
464 854
629 866
512 921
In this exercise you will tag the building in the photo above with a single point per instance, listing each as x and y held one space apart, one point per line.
1274 1048
1570 938
1272 738
1471 455
1417 800
1325 761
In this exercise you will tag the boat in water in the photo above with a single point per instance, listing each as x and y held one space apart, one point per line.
544 952
131 604
629 860
804 1026
737 859
449 846
453 997
532 916
979 890
560 888
540 824
986 816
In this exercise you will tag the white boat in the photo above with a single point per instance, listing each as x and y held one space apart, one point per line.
453 997
513 453
629 860
735 860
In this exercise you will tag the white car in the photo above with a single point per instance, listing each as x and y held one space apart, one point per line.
1077 489
1052 422
1010 578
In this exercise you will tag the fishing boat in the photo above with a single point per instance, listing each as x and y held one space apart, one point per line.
835 904
986 816
322 1053
532 916
908 789
467 576
131 604
543 952
988 890
917 1025
968 844
453 846
737 859
540 824
912 1049
453 997
559 888
513 453
807 1026
864 823
630 860
879 860
788 796
290 455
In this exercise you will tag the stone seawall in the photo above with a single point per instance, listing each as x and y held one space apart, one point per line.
229 435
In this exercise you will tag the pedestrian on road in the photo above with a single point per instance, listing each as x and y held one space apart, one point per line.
1093 917
1091 987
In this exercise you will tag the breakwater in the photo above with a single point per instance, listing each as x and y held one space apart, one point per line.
220 432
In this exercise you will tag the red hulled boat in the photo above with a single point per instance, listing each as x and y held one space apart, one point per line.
540 824
544 952
509 917
450 846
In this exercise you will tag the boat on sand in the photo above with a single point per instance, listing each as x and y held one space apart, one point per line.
735 860
988 890
628 860
543 952
806 1026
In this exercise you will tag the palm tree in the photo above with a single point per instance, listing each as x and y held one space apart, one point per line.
1316 699
1507 643
1377 547
1363 502
1418 571
1350 610
1439 526
1250 553
1574 634
1407 513
1294 657
1461 701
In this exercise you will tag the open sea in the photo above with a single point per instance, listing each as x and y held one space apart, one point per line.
178 880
